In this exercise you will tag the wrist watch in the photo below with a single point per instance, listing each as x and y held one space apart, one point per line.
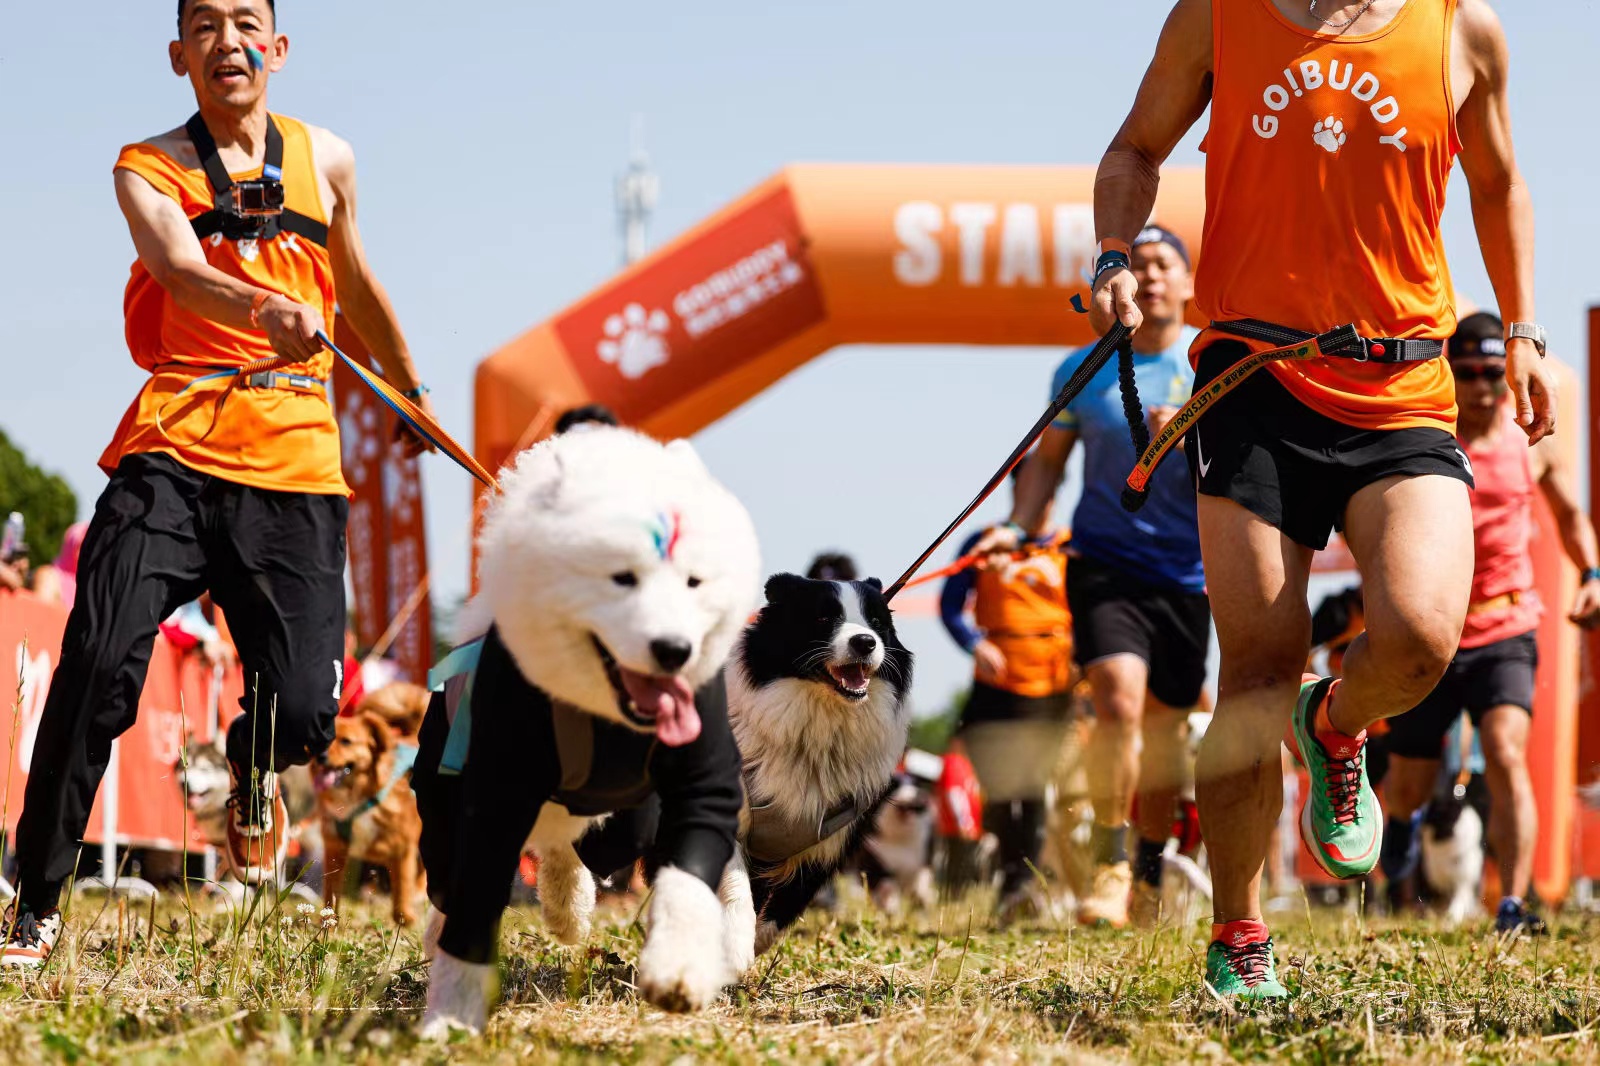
1590 574
1528 331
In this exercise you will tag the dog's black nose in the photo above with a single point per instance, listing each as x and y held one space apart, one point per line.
671 652
863 644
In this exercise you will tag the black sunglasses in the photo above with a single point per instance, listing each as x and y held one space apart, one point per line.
1479 373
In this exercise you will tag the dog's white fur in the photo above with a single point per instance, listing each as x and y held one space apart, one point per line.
574 511
1453 866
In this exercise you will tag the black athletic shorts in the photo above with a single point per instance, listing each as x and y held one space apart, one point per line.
1116 613
1478 679
1294 467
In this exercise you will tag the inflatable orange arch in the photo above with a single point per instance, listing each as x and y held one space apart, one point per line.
817 256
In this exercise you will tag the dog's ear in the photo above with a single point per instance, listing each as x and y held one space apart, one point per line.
783 586
683 452
382 735
874 584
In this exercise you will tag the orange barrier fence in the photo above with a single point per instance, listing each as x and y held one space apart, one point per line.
141 802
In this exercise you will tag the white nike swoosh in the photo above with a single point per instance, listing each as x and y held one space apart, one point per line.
1200 456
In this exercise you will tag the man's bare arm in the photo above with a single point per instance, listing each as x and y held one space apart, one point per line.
170 251
1171 98
1502 210
1577 534
362 299
1041 476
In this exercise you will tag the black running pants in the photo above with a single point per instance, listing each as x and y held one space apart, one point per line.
161 535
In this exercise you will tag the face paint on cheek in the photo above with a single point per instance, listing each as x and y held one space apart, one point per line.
256 54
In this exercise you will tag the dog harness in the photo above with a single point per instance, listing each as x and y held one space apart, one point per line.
405 757
774 839
588 786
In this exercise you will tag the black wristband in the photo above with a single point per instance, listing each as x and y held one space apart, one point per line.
1591 574
1111 260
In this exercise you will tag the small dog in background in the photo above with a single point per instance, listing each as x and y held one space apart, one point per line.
202 774
895 857
1452 853
369 813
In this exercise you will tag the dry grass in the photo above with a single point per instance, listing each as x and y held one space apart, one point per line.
136 984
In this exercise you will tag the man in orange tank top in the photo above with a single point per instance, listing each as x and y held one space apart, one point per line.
1334 126
1492 675
244 224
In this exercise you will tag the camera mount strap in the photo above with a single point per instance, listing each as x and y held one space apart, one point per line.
219 219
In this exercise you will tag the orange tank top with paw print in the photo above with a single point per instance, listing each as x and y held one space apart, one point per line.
270 438
1327 158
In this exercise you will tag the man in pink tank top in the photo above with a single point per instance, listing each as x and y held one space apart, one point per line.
1492 675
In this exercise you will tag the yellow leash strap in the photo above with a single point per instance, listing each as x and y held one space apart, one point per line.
1137 489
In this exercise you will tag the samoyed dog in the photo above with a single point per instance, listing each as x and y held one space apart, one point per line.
616 575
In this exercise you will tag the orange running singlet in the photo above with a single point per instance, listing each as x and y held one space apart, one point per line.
266 438
1327 159
1021 607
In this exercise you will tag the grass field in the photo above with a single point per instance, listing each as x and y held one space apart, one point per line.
169 984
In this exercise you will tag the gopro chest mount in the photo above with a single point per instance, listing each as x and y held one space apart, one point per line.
248 210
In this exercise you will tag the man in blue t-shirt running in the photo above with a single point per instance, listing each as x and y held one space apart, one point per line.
1140 619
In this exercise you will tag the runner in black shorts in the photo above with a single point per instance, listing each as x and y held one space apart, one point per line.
1492 676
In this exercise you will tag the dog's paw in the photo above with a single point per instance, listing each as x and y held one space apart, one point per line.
684 964
767 934
458 997
431 933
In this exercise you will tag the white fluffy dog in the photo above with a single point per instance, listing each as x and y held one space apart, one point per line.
616 574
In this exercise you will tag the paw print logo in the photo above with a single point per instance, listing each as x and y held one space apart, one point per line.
634 341
1329 134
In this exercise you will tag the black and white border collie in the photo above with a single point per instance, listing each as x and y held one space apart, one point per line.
817 695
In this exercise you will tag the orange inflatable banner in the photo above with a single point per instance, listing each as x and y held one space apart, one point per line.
817 256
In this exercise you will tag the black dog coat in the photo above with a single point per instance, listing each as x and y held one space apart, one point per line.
476 820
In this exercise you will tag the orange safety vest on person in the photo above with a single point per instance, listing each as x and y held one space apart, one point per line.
269 438
1327 159
1021 607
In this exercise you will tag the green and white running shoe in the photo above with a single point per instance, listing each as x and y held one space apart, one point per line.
1243 971
1340 820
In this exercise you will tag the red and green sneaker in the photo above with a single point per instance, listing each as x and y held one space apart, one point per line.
1340 820
1239 963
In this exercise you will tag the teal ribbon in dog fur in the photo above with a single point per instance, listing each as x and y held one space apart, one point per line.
462 660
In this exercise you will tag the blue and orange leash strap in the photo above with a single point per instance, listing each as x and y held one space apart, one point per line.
419 420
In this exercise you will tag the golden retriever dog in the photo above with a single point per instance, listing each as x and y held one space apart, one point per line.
363 785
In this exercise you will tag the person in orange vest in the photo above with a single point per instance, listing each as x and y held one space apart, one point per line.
1016 717
1333 127
1491 677
244 223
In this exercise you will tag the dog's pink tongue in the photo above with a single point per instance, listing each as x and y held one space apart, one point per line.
670 701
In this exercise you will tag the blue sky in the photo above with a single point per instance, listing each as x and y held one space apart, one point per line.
488 135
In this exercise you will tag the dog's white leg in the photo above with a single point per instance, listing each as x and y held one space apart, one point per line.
738 915
430 932
683 965
566 888
459 994
566 893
